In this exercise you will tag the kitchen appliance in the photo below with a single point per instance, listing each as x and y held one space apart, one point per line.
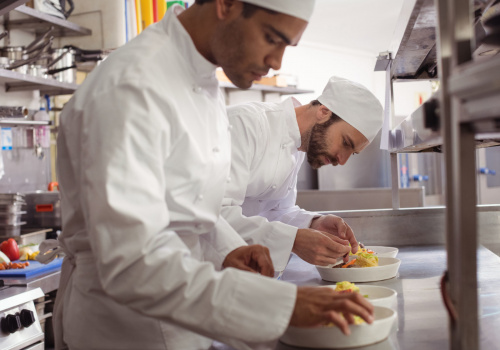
43 209
19 321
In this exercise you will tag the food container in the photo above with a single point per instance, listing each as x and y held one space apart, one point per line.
11 218
11 230
332 337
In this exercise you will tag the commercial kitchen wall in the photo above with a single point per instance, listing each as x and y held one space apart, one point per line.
22 170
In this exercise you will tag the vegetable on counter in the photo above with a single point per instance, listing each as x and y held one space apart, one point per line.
4 258
10 248
12 266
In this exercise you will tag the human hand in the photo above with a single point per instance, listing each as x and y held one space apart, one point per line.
319 248
336 226
317 306
253 258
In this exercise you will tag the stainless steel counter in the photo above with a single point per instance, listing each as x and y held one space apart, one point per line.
422 319
48 282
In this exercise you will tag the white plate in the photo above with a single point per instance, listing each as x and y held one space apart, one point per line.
377 295
333 338
384 252
387 268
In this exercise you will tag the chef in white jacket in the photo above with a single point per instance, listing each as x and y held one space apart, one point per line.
269 143
143 161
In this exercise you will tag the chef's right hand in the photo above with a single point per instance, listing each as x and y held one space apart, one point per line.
318 248
316 306
253 258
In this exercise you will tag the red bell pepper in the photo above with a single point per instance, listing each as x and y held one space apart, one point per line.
10 248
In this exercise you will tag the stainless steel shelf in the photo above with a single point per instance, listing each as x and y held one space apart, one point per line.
41 22
477 85
267 88
9 5
24 122
15 81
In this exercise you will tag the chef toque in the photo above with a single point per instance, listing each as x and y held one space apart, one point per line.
302 9
355 104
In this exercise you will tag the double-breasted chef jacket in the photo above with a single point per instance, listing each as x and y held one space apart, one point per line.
260 199
144 159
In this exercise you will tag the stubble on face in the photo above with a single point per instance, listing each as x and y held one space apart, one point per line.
317 148
234 54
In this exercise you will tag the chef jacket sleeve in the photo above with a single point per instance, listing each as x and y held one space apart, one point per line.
276 236
286 211
219 242
141 261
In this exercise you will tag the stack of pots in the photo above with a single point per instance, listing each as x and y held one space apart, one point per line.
10 214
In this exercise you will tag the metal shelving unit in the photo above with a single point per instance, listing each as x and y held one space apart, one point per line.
15 81
8 5
442 38
41 22
38 23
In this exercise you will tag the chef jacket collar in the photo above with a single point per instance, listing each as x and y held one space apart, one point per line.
289 106
202 71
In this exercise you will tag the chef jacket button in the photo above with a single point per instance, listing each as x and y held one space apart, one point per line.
200 197
229 127
283 145
197 89
215 149
274 187
228 179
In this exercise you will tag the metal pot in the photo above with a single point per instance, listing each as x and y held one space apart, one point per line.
19 56
63 66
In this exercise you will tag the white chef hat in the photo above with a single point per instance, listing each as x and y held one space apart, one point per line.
302 9
355 104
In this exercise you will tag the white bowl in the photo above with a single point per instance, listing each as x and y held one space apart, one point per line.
384 252
333 338
387 268
377 295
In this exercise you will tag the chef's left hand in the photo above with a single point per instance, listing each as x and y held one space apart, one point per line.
253 258
336 226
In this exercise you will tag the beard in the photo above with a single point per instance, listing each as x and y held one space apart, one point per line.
317 147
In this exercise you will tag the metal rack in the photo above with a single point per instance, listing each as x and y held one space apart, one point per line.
15 81
442 39
38 23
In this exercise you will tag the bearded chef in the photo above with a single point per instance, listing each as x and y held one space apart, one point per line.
143 160
269 143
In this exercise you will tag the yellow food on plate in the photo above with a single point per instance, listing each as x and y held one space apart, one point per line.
363 250
346 286
366 260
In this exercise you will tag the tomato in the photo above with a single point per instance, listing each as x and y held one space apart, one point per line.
10 248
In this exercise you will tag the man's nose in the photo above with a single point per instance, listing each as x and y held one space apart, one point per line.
273 60
343 157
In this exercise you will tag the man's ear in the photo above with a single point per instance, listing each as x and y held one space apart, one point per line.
323 114
226 8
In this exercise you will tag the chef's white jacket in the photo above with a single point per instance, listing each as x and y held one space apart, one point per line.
144 158
260 199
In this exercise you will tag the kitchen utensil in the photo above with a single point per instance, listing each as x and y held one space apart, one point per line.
388 268
331 337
